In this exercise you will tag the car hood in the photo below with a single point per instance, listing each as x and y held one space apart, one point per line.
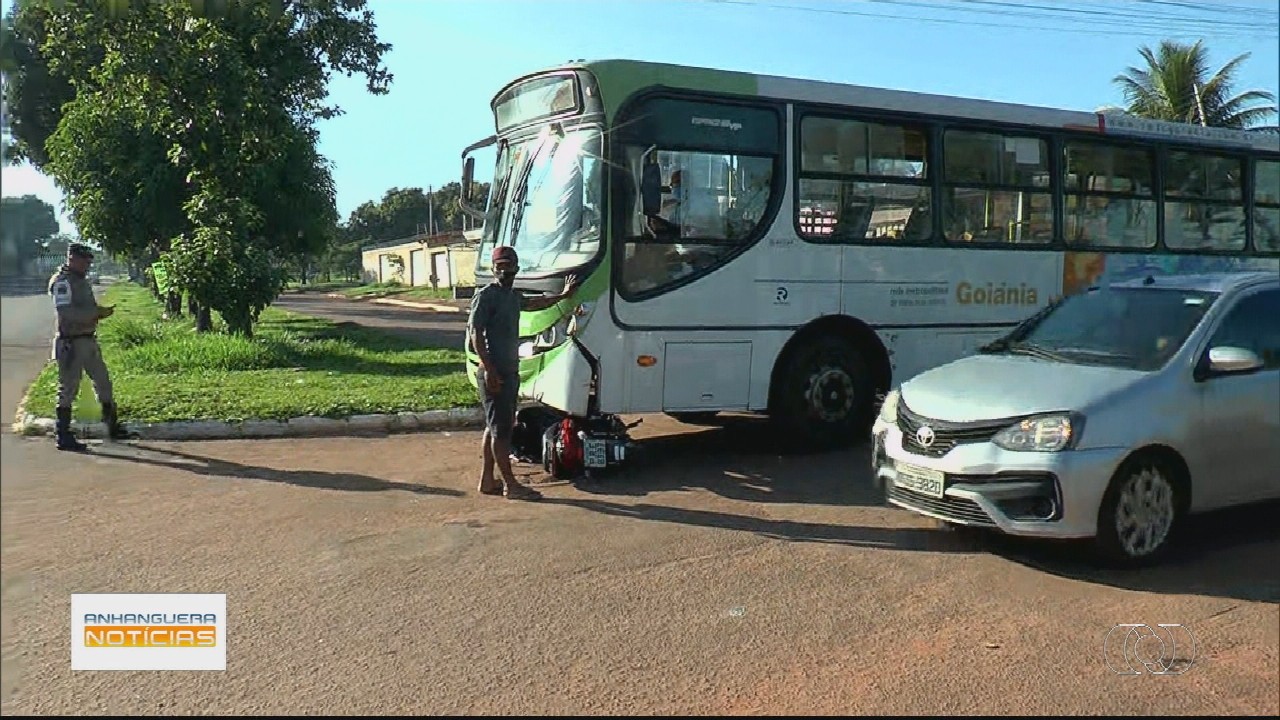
989 387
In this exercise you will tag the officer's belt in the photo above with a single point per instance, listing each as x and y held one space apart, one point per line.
90 336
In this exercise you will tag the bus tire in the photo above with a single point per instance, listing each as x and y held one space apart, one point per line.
826 395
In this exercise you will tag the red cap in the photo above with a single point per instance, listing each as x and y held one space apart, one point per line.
504 252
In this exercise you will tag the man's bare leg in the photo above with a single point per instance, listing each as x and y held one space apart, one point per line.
502 455
486 470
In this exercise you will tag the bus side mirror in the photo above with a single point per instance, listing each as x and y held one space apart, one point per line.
464 193
468 173
651 190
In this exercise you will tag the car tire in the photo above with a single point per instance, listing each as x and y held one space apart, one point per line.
826 396
1140 512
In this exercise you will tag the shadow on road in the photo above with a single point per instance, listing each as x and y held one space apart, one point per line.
304 478
740 458
1221 554
790 530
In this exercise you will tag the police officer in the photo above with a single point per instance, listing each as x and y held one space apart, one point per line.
75 348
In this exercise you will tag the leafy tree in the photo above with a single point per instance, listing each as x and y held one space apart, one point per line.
26 223
190 139
1166 88
404 212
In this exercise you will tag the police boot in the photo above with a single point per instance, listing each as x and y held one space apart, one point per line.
67 439
115 430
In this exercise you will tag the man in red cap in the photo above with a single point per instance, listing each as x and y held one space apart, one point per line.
493 331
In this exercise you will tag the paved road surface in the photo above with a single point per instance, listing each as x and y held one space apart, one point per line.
365 576
430 328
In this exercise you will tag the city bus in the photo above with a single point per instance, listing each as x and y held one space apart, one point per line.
795 248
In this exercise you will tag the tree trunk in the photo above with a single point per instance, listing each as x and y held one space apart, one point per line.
173 305
204 319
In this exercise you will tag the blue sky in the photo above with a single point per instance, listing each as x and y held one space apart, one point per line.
449 57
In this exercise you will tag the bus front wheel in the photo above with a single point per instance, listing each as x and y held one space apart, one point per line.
826 395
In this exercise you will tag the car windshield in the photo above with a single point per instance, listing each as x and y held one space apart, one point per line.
1137 328
547 201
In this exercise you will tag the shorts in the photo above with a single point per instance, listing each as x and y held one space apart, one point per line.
500 408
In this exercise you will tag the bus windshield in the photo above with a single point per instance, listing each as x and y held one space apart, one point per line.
547 202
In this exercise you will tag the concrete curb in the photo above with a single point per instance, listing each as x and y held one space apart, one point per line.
308 426
401 303
420 305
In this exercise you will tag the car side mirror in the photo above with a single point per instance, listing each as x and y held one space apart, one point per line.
1231 360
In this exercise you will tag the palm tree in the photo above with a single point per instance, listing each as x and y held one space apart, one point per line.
1176 85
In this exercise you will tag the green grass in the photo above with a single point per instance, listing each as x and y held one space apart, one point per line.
402 292
163 370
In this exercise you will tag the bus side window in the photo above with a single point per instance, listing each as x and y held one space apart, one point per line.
1266 206
996 188
1203 202
711 205
1108 197
693 208
863 181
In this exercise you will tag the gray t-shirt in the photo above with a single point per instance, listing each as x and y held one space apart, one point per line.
495 313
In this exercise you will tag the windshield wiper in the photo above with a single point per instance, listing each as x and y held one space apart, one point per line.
1107 357
522 190
1033 350
998 345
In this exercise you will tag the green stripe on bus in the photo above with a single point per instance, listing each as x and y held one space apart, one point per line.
620 79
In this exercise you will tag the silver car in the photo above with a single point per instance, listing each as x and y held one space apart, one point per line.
1111 414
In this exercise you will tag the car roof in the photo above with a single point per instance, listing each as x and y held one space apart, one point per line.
1205 282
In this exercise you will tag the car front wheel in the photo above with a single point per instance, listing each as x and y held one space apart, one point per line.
1139 512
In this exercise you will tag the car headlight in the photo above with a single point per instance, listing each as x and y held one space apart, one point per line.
1045 433
889 408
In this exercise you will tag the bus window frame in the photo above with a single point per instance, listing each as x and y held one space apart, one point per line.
1251 203
1163 151
1153 151
621 182
930 126
1057 139
1054 190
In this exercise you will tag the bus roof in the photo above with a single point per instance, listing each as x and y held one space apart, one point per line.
619 78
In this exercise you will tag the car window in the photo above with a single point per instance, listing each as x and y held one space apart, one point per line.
1254 324
1138 328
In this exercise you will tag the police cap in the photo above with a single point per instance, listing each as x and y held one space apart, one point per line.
80 251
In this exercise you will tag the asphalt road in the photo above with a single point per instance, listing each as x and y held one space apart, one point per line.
431 328
717 577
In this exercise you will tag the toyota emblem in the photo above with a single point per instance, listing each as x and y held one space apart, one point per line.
925 436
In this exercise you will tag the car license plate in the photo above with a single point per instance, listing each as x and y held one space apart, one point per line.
921 480
596 453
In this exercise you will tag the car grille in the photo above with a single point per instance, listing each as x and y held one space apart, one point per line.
946 434
950 508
